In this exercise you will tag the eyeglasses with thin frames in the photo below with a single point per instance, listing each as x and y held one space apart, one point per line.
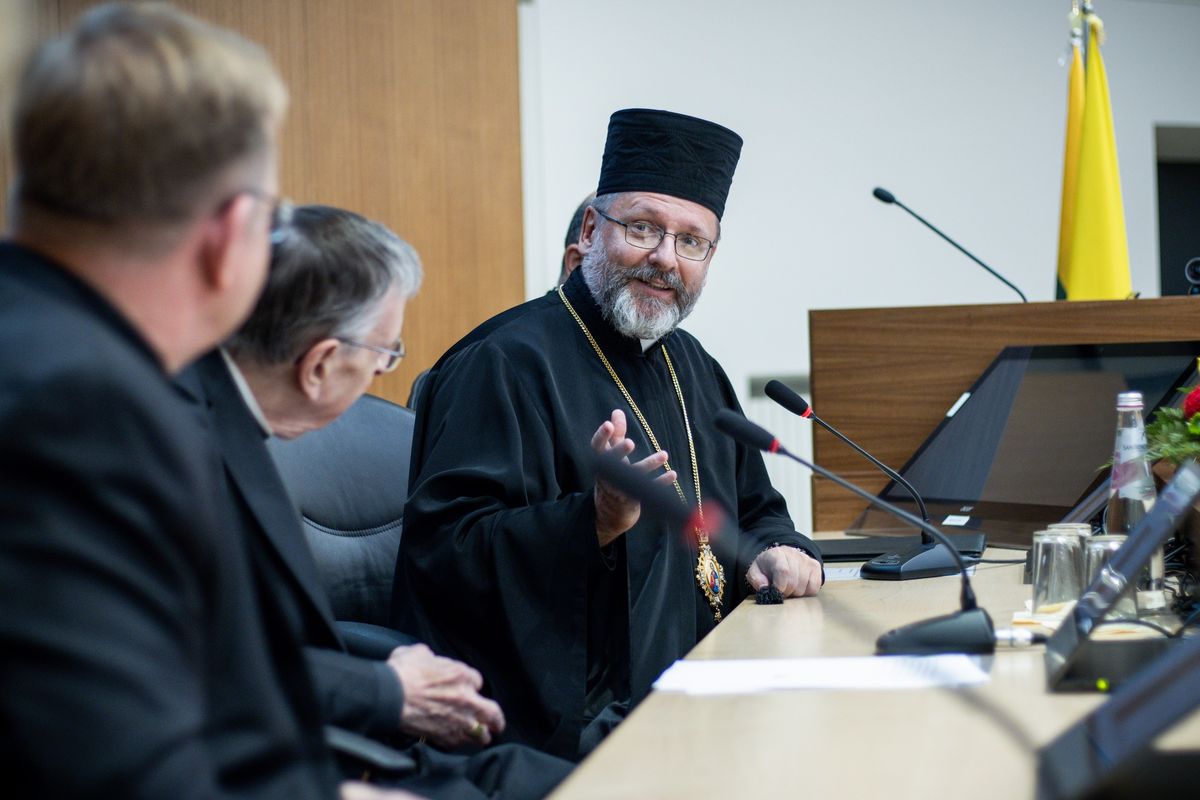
282 211
649 236
394 353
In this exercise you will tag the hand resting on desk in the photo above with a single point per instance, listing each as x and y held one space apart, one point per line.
790 570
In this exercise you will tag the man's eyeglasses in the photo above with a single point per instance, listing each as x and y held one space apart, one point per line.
394 353
649 236
281 212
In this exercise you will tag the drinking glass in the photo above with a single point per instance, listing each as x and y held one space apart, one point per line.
1057 572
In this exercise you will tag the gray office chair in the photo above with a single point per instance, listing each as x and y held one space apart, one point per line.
418 385
350 480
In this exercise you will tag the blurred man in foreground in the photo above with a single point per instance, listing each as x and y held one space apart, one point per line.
141 657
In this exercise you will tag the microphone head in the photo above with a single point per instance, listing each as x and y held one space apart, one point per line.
743 430
659 502
655 498
883 195
784 395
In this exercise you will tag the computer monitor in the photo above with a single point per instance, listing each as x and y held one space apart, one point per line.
1026 442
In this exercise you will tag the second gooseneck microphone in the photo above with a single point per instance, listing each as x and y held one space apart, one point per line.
968 630
926 559
884 196
784 396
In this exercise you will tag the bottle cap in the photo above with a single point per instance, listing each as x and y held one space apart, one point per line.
1129 400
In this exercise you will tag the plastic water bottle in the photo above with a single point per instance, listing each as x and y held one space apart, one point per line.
1131 494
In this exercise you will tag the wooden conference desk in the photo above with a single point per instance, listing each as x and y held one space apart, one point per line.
978 741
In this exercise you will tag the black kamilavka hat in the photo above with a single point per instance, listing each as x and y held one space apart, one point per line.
669 153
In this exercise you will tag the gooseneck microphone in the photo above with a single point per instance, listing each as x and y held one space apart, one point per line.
968 630
884 196
784 396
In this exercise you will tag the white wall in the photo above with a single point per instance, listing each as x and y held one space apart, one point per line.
956 107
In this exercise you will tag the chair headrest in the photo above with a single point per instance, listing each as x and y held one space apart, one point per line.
352 475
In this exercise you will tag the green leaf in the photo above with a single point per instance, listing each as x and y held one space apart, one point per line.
1169 436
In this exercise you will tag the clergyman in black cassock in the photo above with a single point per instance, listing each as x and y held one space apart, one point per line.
500 564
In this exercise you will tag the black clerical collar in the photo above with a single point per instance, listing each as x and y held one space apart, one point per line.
609 338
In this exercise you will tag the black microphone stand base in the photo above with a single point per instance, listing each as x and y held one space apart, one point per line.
925 560
968 632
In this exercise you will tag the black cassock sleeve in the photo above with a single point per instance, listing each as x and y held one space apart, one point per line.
499 539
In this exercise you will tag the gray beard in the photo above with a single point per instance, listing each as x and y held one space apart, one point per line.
648 318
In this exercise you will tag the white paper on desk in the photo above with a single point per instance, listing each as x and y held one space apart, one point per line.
743 676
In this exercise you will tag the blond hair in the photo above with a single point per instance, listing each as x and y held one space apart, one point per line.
142 113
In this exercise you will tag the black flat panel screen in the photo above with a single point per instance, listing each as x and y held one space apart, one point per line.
1024 444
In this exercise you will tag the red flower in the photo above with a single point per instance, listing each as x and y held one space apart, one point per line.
1191 404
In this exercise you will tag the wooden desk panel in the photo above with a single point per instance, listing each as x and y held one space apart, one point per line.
979 741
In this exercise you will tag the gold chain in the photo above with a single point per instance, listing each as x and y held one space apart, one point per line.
687 426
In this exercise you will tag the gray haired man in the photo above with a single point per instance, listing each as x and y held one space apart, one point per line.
329 321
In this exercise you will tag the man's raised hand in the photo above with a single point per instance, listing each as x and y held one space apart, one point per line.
617 512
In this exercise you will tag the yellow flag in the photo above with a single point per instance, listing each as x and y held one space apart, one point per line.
1066 224
1098 253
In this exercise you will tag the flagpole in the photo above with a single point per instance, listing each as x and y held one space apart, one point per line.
1086 9
1075 91
1082 8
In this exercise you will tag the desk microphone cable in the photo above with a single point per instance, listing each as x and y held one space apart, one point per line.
1019 637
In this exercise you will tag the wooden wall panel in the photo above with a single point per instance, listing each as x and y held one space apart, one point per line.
885 377
405 111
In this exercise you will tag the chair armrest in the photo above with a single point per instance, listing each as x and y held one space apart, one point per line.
372 641
358 755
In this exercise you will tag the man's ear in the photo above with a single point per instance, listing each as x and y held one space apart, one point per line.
572 258
587 233
313 368
225 233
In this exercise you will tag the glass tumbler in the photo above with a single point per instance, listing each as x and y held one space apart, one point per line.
1057 572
